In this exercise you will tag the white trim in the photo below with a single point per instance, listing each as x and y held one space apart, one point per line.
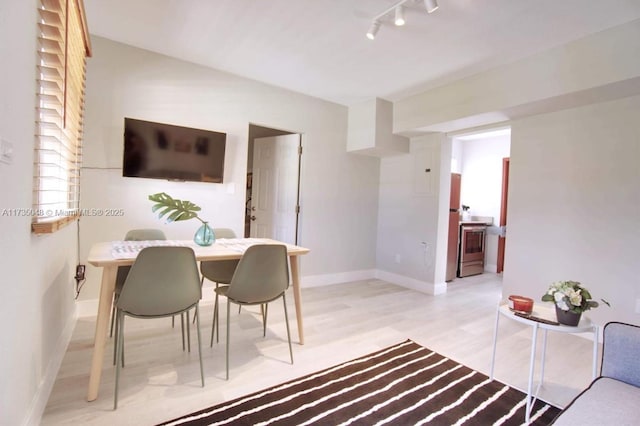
88 308
343 277
39 401
412 283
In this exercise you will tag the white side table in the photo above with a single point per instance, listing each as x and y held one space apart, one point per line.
548 313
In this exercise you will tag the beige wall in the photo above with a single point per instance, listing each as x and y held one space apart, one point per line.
574 205
339 190
37 271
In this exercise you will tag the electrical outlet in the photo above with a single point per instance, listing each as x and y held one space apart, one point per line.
80 272
398 258
637 306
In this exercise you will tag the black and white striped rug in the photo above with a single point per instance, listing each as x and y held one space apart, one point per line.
405 384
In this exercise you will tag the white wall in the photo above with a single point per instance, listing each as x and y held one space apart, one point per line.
37 284
408 215
574 205
600 66
339 190
481 187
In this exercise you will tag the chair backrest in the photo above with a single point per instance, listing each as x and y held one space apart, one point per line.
262 274
621 352
220 271
145 235
224 233
162 281
136 235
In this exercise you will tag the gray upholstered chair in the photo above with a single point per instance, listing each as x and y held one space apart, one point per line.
613 398
162 282
220 272
262 276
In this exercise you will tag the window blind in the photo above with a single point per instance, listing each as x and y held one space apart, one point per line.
63 46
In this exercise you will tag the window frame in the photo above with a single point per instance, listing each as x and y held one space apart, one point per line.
63 44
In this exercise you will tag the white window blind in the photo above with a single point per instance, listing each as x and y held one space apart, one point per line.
63 46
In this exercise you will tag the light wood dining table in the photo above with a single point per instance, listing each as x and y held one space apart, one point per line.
110 255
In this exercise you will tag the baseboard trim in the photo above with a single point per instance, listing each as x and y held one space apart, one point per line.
89 308
41 397
343 277
412 283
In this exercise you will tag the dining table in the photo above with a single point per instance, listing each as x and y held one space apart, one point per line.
112 254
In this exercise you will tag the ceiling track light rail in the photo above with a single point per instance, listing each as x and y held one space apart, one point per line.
398 11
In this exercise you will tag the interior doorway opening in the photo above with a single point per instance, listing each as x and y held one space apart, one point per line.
478 157
272 203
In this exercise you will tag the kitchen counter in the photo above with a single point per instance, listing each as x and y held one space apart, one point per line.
478 220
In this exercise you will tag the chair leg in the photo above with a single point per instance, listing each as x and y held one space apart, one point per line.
182 329
119 343
215 324
197 319
188 332
113 319
286 318
264 308
115 346
228 321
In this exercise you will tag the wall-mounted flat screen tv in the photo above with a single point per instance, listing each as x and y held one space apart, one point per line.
164 151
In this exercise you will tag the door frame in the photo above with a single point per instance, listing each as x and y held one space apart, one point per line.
503 214
258 131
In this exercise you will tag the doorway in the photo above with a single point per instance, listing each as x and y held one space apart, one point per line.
478 156
272 205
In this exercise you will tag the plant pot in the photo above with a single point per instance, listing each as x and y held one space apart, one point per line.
204 235
567 317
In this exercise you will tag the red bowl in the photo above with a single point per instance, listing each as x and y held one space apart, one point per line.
521 304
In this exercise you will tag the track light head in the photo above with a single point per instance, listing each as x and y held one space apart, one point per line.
431 5
399 19
373 30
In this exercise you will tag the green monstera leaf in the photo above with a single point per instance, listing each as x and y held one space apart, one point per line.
173 209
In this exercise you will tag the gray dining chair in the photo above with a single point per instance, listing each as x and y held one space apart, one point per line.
123 271
132 235
162 282
220 272
262 276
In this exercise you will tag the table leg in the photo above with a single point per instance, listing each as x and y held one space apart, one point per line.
102 328
544 354
495 342
595 352
532 363
295 279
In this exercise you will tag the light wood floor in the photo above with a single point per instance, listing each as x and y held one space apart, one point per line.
343 321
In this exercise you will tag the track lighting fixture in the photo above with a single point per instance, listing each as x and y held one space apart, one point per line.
399 19
373 30
431 5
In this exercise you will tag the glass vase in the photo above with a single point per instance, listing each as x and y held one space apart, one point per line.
204 235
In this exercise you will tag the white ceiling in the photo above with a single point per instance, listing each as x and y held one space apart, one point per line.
319 48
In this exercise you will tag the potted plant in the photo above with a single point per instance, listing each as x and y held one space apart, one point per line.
571 299
176 210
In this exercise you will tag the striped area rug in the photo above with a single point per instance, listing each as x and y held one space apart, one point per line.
405 384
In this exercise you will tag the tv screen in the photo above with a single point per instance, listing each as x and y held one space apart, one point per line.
164 151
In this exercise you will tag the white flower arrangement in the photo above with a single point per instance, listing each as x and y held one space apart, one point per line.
570 296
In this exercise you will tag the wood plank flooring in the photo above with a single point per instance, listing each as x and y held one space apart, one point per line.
342 322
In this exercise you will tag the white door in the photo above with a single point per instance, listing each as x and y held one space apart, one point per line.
275 188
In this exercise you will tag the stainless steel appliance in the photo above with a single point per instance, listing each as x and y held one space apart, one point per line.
472 248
